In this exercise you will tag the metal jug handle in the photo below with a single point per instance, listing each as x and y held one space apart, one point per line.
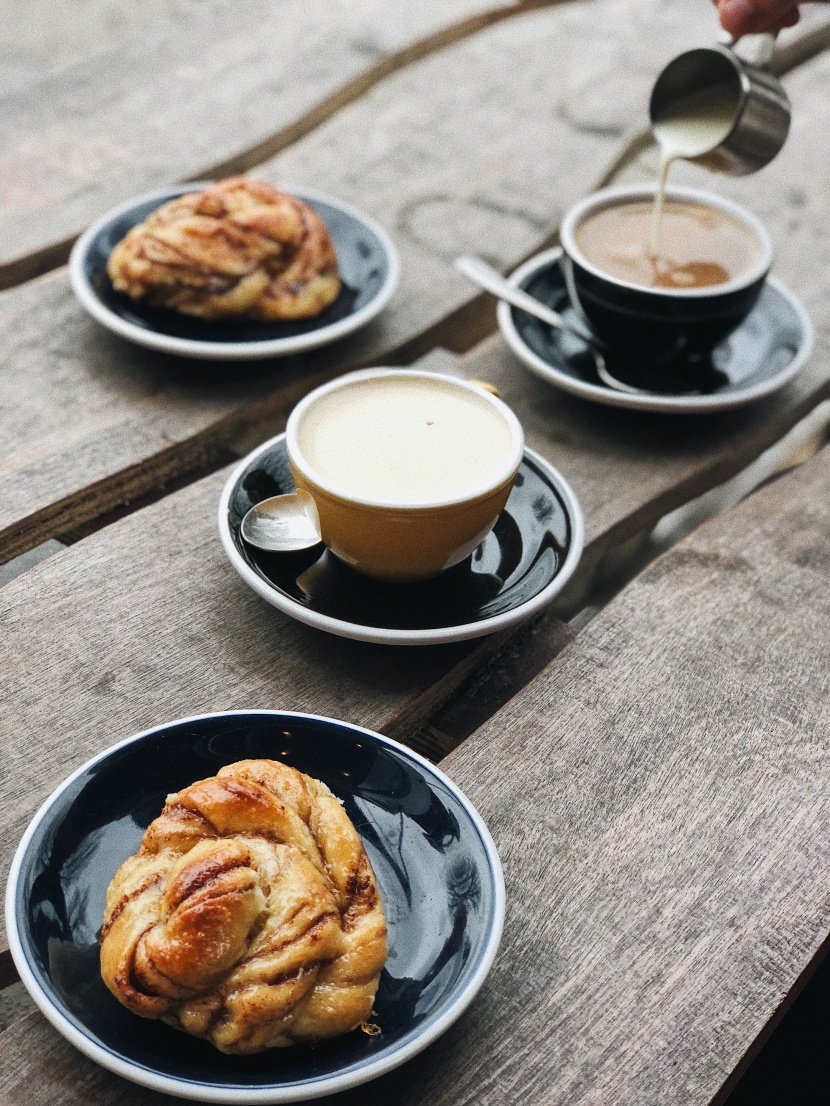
762 48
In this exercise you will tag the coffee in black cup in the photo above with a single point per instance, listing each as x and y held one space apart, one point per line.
712 261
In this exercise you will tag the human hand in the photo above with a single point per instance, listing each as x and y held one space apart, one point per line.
747 17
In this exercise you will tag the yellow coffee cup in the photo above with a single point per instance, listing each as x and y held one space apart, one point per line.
409 470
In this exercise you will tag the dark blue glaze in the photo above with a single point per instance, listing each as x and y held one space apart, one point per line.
517 559
435 875
361 258
656 326
759 349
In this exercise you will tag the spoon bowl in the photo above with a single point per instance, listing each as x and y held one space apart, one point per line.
283 524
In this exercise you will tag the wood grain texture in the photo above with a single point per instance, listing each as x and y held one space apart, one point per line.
184 91
44 38
675 763
673 759
57 1078
664 843
490 673
448 155
130 654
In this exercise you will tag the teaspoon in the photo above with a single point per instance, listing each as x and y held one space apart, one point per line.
283 524
487 277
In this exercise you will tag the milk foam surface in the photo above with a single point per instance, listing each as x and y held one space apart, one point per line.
701 246
411 442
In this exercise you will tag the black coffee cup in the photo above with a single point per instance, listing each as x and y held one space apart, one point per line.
654 326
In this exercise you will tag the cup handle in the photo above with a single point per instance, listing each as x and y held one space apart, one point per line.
485 386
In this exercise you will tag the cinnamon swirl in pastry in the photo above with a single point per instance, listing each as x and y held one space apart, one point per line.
238 247
249 916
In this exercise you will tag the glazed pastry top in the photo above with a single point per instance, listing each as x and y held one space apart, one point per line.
237 248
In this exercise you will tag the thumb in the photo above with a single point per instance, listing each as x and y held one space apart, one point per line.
746 17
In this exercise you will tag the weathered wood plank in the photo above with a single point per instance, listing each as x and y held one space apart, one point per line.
130 654
493 671
629 471
45 38
103 67
59 1080
595 1060
664 844
185 90
449 155
15 1003
675 763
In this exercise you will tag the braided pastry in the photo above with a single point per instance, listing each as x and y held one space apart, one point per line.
238 247
249 916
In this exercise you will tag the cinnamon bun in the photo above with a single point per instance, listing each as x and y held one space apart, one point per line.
237 248
250 915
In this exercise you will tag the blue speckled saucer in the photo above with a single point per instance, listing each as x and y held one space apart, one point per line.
437 869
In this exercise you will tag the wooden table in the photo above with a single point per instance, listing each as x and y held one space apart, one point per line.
653 768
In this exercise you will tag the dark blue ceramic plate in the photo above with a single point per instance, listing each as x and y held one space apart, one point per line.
525 560
756 359
369 269
437 867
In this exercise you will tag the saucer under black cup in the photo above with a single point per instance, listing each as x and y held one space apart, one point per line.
520 566
760 356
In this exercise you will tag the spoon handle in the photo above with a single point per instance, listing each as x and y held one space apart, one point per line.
487 277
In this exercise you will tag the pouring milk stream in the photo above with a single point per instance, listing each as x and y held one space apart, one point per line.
715 107
689 127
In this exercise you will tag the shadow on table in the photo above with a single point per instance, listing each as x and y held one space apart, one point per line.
794 1064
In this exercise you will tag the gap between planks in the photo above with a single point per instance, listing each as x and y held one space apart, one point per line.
499 666
230 438
43 260
439 720
787 1002
450 711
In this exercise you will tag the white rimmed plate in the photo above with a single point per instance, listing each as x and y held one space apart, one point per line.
437 868
369 268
